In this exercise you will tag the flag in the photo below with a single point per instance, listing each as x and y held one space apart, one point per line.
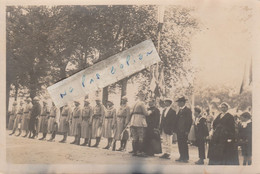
247 77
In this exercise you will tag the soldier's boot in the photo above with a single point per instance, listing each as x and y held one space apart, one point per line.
114 146
121 146
110 142
85 142
97 142
133 147
33 134
26 134
64 138
89 143
19 133
124 144
74 141
77 140
107 144
12 132
43 136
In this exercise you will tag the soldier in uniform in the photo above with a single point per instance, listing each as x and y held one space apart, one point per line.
108 124
122 119
138 124
75 123
43 120
52 125
36 110
87 113
12 117
64 122
26 116
98 116
17 122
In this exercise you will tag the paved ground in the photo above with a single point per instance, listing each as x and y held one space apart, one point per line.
32 151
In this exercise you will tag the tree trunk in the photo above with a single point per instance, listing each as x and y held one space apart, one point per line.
105 95
123 87
8 84
16 91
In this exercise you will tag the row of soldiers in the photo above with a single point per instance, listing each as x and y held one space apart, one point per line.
81 122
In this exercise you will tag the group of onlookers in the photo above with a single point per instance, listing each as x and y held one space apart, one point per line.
146 125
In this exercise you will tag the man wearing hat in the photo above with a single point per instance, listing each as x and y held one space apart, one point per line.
121 122
87 113
64 122
138 125
52 124
98 116
36 111
76 121
108 124
184 121
168 124
26 116
12 117
43 120
17 121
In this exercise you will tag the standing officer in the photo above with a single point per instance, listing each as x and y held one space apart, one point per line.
52 125
43 121
138 125
184 121
18 119
98 116
36 110
121 122
75 123
26 116
87 113
12 116
64 122
108 124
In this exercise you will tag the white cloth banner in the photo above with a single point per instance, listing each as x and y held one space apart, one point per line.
104 73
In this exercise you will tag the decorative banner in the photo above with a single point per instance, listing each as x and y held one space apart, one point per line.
104 73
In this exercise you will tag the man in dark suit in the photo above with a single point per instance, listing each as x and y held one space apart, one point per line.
201 132
184 121
168 122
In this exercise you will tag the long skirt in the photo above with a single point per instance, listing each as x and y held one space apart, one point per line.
11 122
25 121
96 128
223 154
152 142
43 124
191 136
51 126
75 126
17 121
119 127
107 128
64 125
85 129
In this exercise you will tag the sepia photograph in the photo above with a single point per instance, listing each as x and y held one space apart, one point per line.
129 85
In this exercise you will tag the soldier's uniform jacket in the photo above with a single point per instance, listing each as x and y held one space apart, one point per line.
139 115
87 113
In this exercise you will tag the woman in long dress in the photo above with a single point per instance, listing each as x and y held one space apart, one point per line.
223 147
152 141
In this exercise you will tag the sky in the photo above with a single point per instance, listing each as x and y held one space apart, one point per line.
222 47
